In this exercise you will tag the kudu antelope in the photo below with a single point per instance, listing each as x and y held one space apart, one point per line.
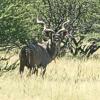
34 55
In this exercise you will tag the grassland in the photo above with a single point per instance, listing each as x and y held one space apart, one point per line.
65 79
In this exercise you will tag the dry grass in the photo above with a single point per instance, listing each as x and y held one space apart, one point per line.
64 80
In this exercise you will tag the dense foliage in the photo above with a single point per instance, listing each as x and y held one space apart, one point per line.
18 20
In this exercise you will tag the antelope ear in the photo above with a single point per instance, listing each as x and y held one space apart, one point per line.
45 38
47 34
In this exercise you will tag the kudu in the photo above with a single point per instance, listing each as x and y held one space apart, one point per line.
35 55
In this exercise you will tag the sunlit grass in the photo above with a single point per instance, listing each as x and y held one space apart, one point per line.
67 79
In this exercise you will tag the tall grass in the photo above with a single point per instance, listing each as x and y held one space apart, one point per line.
67 79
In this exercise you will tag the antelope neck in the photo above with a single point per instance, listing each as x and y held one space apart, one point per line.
53 51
